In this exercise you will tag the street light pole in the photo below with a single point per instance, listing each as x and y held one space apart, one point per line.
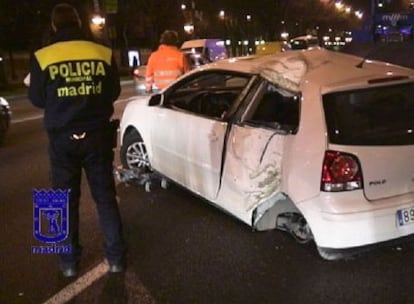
373 15
96 6
249 46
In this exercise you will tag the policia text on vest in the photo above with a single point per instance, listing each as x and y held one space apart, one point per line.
71 62
75 73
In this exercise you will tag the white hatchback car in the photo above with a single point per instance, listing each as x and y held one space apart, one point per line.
313 142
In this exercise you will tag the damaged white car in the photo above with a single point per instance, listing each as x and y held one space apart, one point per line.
314 142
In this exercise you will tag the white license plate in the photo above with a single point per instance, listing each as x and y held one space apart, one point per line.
405 216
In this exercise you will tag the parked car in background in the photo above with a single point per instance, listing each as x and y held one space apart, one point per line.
138 75
196 59
302 43
269 47
313 142
5 117
210 49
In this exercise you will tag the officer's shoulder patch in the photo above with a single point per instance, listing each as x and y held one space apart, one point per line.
76 50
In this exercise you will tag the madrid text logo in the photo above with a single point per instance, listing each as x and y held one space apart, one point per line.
50 220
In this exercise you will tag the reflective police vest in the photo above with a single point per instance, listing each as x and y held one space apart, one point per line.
164 66
76 82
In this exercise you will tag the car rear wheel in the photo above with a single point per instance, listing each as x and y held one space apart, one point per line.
133 152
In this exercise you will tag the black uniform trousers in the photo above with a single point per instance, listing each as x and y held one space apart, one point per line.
91 151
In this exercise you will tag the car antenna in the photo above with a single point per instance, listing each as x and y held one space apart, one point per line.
372 51
359 65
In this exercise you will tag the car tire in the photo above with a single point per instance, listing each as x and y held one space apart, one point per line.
3 130
133 153
331 254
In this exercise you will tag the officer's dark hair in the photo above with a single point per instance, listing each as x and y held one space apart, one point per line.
65 16
169 38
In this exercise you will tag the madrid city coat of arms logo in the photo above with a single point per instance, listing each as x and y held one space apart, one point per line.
50 215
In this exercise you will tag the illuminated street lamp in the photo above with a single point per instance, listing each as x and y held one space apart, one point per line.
189 28
98 20
339 5
97 25
359 14
222 14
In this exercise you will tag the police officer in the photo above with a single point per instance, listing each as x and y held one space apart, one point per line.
76 82
166 64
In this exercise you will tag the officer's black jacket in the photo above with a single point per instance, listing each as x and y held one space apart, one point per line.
75 80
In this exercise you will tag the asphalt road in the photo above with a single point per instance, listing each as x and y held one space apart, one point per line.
181 249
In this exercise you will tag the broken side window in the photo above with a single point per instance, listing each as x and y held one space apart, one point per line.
275 108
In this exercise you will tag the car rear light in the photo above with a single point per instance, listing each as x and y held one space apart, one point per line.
135 72
340 172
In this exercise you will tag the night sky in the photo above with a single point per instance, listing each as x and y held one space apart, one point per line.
364 5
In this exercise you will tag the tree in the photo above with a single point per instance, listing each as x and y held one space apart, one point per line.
9 32
153 18
23 25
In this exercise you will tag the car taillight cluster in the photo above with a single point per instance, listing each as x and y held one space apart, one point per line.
340 172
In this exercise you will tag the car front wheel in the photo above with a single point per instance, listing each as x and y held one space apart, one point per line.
133 153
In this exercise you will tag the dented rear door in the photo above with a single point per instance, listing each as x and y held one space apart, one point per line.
252 170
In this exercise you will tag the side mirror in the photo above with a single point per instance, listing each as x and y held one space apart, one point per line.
155 100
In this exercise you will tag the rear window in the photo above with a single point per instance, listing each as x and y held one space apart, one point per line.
377 116
299 44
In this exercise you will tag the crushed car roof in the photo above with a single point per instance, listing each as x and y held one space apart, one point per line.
290 69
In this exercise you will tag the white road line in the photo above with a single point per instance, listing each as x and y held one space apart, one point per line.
14 121
39 116
75 288
137 293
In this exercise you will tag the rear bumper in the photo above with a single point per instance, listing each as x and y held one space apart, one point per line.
366 224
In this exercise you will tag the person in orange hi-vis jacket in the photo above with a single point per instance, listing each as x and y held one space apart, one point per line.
165 64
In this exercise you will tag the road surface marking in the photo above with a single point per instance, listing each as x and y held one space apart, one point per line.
14 121
136 289
79 285
39 116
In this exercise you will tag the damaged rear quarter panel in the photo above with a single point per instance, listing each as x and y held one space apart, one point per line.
252 169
